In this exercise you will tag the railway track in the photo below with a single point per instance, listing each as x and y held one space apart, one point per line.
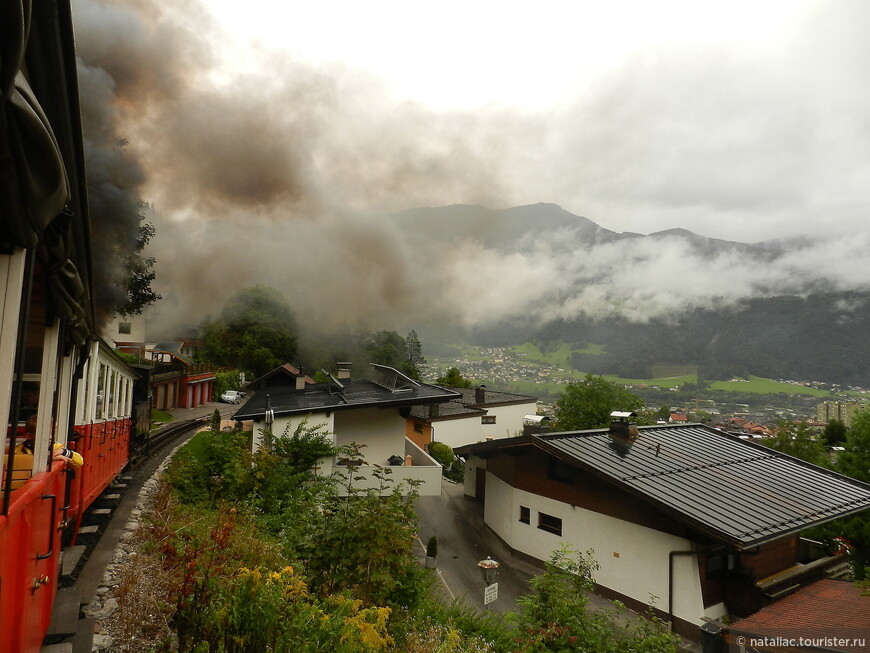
85 563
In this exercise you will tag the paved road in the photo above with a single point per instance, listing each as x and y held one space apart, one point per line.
463 541
226 410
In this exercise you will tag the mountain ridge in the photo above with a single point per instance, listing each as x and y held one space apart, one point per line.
770 308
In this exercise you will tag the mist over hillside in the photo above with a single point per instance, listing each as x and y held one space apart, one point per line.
781 309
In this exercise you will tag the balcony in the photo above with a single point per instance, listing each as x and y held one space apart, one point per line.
422 468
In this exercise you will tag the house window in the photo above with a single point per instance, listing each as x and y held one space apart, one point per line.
487 419
125 327
525 515
559 470
718 563
418 428
549 523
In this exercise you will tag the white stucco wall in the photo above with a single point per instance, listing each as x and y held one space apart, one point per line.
382 430
383 433
633 559
468 430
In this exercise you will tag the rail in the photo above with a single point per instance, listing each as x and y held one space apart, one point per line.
166 435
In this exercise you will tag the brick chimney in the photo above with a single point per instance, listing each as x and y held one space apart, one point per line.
480 394
300 383
343 370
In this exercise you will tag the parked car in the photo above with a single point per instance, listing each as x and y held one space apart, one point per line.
231 397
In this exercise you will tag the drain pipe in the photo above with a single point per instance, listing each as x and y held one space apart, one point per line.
671 556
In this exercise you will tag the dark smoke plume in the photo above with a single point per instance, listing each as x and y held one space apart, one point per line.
266 170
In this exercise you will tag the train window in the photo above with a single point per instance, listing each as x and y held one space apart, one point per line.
110 402
101 392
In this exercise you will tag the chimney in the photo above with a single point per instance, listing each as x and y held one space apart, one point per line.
343 370
480 394
434 410
622 426
300 383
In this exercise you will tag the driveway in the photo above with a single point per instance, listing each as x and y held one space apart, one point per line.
463 541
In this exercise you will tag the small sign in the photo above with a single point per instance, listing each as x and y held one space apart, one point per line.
490 594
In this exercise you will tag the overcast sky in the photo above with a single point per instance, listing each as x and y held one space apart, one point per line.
744 120
272 138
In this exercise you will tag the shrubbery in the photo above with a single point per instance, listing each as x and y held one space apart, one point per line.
451 467
262 554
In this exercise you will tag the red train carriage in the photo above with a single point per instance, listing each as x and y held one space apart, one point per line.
59 384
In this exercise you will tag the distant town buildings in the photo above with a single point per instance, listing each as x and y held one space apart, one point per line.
844 411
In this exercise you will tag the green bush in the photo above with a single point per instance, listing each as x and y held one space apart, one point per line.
556 615
212 467
451 466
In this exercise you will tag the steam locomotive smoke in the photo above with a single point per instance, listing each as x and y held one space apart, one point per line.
264 169
256 176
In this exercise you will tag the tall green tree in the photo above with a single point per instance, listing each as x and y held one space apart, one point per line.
389 348
385 348
453 379
139 275
414 353
855 462
256 331
835 432
587 404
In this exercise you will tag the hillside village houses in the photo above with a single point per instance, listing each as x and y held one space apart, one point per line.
371 413
704 521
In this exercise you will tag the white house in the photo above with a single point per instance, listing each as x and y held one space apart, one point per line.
476 415
370 413
706 522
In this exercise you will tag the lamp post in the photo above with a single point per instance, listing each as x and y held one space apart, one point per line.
488 569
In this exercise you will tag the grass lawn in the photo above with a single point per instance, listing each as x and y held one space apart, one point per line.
560 357
758 385
160 417
660 381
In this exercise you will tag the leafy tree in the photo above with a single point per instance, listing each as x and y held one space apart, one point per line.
855 462
228 380
139 275
385 348
796 440
835 432
664 412
453 379
389 348
587 404
256 331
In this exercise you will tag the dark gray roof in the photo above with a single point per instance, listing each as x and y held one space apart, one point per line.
466 404
733 490
451 410
343 395
494 397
